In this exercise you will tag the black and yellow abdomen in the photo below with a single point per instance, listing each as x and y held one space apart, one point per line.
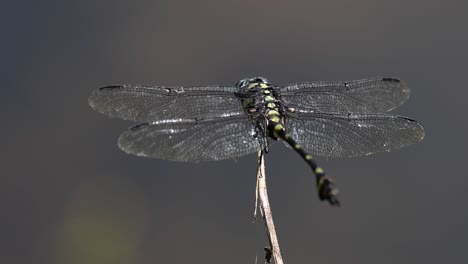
265 107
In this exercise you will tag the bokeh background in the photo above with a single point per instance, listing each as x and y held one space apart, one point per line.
69 195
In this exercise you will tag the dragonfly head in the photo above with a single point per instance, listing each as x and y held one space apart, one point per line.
245 82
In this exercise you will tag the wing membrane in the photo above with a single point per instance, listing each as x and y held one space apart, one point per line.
375 95
353 135
192 140
152 103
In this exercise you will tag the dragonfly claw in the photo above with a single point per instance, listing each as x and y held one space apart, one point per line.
328 191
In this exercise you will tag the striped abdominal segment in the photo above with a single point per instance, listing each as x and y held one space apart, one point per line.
325 186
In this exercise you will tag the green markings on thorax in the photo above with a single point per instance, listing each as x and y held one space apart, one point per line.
247 102
254 85
262 102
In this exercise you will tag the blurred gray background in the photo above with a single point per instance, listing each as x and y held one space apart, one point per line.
69 195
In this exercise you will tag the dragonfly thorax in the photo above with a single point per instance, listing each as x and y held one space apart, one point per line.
261 101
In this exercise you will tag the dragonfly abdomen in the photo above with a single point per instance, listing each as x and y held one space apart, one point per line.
326 188
265 102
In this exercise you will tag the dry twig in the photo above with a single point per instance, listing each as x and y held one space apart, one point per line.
262 202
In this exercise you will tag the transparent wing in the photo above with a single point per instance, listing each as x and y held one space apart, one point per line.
192 140
152 103
375 95
353 135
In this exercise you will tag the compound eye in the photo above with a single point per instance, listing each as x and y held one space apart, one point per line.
241 83
261 80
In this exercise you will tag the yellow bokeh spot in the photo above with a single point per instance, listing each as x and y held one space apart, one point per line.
104 222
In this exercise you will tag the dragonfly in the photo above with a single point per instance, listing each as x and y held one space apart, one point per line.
210 123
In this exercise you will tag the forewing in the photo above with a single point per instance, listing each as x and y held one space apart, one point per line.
152 103
192 140
353 135
376 95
